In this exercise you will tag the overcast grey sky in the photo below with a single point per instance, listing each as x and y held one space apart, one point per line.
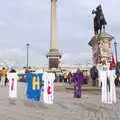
23 21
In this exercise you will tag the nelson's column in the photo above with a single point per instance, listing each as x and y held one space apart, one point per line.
53 54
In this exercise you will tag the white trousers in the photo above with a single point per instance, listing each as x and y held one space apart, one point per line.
2 81
112 86
108 91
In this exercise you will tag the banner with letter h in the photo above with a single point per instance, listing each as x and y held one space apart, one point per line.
34 86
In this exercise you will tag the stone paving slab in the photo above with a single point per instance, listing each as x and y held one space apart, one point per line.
65 107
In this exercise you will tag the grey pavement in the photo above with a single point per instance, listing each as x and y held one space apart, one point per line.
65 107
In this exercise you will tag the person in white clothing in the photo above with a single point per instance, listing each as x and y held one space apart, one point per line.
112 76
107 77
103 77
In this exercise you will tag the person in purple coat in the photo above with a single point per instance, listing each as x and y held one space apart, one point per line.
78 81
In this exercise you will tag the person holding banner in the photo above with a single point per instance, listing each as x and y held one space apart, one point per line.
12 78
48 94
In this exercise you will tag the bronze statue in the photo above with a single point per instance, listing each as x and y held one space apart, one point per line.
99 20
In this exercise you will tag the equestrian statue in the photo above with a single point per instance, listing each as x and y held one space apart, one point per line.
99 20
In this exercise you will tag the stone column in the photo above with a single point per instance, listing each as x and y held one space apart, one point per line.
53 44
53 54
101 47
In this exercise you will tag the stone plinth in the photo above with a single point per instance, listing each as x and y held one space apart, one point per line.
101 47
53 56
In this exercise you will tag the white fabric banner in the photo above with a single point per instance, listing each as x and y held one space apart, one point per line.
48 94
12 78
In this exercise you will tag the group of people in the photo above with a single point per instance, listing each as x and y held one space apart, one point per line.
67 77
105 73
63 77
104 76
34 84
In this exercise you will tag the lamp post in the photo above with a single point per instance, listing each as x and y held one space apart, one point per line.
27 46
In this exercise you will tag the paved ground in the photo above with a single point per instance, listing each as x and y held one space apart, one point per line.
65 107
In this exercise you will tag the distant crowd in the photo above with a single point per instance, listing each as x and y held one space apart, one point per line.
90 76
67 77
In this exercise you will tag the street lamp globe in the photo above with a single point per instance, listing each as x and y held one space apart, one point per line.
27 44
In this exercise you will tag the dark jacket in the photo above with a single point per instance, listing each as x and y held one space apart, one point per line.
94 72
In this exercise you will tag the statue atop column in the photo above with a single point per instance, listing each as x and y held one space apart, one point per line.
99 20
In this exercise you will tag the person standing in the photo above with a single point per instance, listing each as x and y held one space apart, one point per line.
94 75
78 82
65 76
85 73
6 80
3 76
104 77
112 76
69 78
